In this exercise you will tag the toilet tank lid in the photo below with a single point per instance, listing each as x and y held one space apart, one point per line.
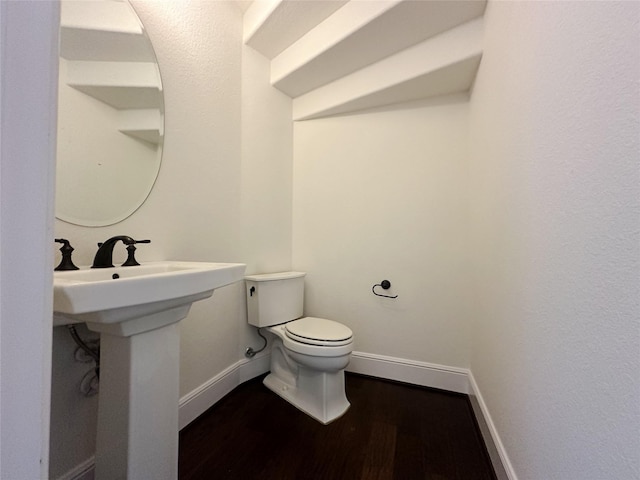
267 277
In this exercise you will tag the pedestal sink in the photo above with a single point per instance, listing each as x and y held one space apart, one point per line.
137 310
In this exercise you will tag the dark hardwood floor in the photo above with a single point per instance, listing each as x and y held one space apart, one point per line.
392 431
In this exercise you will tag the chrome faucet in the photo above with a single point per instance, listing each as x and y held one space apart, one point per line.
104 255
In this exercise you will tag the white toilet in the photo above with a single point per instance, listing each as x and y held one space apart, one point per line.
308 354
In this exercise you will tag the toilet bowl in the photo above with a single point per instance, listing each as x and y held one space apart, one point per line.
308 354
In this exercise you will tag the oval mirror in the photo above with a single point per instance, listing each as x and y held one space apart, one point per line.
110 113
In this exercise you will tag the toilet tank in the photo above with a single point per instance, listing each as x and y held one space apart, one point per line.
274 298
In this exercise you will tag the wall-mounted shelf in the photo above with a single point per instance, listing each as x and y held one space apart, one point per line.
367 54
108 57
119 84
144 124
102 31
442 65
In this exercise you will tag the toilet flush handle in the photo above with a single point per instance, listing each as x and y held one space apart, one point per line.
251 291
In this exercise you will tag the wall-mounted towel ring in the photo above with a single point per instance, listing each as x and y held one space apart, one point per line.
385 284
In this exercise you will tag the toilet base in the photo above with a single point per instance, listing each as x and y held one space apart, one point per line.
320 395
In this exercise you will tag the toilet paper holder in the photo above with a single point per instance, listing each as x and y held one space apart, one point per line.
385 285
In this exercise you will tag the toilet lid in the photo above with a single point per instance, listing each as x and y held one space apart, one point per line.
318 331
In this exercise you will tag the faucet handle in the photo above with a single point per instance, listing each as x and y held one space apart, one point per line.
131 250
66 263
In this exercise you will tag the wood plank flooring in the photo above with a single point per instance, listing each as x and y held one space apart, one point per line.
392 431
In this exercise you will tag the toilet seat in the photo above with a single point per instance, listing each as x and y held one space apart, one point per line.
318 331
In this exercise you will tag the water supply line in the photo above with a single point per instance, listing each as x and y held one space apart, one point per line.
250 352
89 383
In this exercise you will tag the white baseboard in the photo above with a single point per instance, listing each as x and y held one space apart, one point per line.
84 471
425 374
432 375
453 379
499 458
198 401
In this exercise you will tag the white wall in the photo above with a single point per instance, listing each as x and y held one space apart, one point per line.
554 151
193 211
28 65
267 151
381 195
223 193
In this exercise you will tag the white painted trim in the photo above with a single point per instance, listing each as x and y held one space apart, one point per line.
499 458
28 100
83 471
432 375
199 400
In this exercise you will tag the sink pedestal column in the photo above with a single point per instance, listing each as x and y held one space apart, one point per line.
137 309
138 404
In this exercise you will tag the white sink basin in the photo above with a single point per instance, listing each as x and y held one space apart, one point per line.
114 295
